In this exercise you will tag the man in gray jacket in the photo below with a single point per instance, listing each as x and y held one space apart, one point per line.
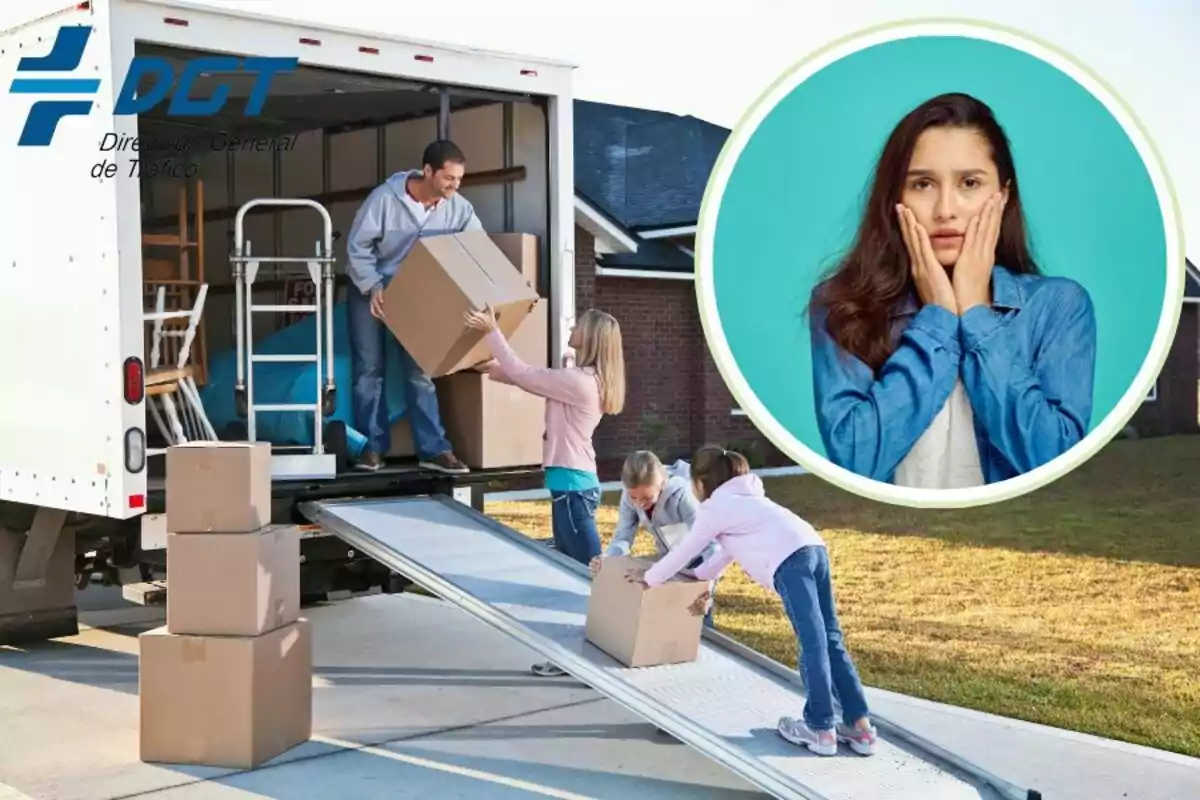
407 206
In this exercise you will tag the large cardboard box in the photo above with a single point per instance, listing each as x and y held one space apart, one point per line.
522 250
531 341
222 585
642 627
402 440
224 701
441 279
491 424
218 487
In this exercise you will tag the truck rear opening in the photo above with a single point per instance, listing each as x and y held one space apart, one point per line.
328 135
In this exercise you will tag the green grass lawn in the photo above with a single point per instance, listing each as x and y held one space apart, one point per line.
1076 606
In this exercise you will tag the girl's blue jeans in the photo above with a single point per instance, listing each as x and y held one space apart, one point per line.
573 523
804 584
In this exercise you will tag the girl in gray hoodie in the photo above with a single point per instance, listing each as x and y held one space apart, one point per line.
660 501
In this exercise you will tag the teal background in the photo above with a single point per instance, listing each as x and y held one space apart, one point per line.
795 194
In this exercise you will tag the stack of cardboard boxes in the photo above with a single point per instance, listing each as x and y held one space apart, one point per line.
227 682
489 424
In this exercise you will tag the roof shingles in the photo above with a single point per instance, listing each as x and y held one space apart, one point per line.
646 169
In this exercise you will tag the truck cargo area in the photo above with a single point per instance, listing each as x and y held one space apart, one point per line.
326 135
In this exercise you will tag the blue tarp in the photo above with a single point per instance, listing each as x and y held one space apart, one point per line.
296 383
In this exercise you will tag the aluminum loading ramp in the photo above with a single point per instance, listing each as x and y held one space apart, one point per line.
725 703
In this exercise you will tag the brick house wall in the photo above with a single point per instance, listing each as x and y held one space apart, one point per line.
1175 409
676 399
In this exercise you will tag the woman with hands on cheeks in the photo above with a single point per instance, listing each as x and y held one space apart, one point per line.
942 357
577 397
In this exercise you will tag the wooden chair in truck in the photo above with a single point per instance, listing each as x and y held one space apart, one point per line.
165 383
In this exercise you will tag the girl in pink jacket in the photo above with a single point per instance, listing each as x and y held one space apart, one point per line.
577 397
779 551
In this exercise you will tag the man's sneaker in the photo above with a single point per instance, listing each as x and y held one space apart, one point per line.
823 743
445 462
860 740
369 461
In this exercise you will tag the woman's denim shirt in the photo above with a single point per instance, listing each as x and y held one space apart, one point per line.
1027 363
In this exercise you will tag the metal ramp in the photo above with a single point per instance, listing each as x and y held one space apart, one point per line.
724 704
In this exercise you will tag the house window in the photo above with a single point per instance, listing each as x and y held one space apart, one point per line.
1153 396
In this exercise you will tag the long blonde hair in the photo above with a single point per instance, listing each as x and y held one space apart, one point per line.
600 348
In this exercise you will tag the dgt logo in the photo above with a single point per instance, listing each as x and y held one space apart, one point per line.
67 53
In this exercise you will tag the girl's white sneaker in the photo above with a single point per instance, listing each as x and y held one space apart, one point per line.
860 740
823 743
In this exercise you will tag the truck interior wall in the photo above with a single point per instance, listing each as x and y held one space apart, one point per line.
231 179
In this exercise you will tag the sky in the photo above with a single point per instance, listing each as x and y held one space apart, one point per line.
673 56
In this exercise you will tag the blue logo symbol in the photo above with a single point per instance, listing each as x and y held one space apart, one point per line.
67 53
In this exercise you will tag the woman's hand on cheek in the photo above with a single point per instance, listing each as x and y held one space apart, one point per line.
973 270
929 276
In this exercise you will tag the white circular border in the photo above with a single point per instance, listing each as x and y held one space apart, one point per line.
1116 419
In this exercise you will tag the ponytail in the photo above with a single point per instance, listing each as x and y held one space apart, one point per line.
713 466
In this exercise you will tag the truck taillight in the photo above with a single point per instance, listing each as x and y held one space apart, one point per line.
135 381
135 450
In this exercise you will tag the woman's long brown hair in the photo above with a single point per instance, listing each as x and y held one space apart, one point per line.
864 287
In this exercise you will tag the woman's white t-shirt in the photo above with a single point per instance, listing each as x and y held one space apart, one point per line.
947 454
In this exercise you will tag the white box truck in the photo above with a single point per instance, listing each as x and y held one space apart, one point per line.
94 167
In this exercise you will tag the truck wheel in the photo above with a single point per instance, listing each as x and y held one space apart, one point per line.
336 444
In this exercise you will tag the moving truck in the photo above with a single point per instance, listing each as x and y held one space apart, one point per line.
122 118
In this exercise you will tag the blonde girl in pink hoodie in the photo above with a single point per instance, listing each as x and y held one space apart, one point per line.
780 552
577 398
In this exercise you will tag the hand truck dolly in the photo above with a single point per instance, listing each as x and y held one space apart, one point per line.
320 460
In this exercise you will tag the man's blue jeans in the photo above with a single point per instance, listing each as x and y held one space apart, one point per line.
368 359
806 588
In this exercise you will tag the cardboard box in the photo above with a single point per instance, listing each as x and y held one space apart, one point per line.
642 627
441 279
531 341
218 487
224 701
223 585
491 424
522 250
402 441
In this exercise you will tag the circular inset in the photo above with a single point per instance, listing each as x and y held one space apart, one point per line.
939 263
